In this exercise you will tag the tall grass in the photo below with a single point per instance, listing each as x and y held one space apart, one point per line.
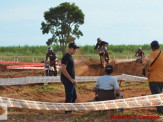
84 50
26 50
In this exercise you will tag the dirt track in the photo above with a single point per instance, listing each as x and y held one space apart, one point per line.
56 94
93 68
87 68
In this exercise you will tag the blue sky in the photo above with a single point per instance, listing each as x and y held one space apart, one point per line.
114 21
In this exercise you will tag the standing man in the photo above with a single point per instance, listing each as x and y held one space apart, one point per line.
68 74
154 71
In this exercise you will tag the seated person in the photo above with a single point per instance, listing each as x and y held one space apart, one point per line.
106 86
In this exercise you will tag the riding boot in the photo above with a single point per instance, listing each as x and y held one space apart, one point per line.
47 73
107 56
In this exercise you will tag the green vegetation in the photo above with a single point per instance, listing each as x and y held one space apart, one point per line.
27 50
63 23
24 52
48 88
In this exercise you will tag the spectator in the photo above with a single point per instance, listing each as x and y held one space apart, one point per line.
154 71
68 75
106 85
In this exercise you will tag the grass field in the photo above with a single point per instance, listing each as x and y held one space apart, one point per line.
37 53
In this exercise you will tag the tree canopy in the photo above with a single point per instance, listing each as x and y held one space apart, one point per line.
63 23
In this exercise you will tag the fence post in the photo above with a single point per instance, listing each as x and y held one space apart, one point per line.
33 59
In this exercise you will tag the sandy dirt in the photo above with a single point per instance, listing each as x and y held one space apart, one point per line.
85 93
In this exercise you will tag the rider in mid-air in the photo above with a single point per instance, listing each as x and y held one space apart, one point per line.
102 46
52 58
140 53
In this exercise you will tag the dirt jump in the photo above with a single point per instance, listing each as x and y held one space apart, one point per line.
55 92
92 67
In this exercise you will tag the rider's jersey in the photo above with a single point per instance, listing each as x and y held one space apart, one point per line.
101 44
140 53
52 57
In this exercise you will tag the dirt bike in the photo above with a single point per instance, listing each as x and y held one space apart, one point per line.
50 70
103 59
139 59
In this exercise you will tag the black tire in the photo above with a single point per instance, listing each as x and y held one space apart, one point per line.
102 60
46 73
55 73
51 73
106 60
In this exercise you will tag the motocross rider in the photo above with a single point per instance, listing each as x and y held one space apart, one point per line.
140 53
102 46
52 57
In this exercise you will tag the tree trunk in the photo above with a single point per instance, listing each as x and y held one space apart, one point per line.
63 48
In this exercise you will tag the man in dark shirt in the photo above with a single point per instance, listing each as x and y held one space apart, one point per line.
102 46
68 74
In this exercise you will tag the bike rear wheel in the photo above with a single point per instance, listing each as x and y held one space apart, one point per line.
102 60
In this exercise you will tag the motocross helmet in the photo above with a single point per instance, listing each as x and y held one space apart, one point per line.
140 48
99 40
109 69
155 44
50 49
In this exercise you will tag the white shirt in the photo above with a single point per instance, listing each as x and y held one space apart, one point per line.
107 82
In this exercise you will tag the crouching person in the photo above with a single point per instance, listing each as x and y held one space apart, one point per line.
107 86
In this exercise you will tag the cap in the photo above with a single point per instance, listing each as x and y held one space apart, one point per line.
73 45
155 44
109 69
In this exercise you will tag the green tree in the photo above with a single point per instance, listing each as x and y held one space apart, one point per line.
63 23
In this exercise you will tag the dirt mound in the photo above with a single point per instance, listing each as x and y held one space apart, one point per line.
131 68
93 68
15 73
90 67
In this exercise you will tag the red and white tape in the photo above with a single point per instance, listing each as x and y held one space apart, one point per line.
135 102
